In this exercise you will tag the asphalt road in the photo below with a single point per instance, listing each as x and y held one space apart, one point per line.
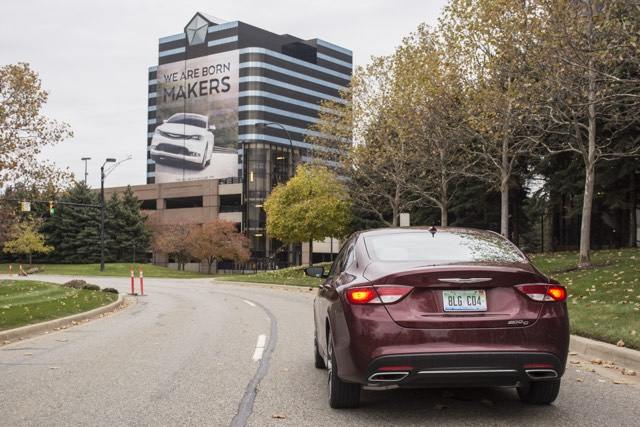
191 353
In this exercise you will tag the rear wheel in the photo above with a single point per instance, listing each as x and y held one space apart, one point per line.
204 157
341 394
318 360
540 393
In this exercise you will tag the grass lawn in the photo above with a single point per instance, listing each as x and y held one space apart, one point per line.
23 302
604 301
111 269
293 276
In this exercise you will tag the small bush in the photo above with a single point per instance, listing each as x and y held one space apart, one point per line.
75 284
110 290
91 287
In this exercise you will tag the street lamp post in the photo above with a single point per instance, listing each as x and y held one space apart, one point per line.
86 174
102 177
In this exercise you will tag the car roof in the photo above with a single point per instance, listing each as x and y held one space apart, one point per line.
426 229
190 116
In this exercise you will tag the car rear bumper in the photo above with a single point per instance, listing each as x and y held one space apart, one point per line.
465 369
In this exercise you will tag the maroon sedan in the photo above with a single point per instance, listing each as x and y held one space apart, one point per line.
446 307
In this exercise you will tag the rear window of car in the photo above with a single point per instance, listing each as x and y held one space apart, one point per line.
442 247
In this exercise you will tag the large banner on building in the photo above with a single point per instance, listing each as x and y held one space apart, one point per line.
196 135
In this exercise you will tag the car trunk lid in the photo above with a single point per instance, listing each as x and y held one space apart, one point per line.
436 288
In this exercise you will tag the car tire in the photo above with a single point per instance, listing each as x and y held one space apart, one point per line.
318 360
341 394
204 158
540 393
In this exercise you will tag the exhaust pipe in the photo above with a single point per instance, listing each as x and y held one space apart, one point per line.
541 374
388 376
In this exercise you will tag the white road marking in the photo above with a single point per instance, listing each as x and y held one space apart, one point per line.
249 302
257 354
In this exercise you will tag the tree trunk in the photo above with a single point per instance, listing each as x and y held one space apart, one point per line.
444 216
209 267
504 190
504 206
589 177
444 193
633 220
310 252
30 257
396 208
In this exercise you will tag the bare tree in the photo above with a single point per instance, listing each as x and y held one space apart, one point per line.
217 240
24 130
367 147
493 42
172 239
592 78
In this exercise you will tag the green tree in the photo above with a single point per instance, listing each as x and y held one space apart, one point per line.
26 240
75 230
126 228
313 205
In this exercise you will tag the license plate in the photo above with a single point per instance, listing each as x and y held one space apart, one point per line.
475 300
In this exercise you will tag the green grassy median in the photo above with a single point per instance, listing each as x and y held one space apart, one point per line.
604 301
24 302
292 276
111 269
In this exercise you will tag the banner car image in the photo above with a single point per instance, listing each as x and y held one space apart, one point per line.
186 138
197 118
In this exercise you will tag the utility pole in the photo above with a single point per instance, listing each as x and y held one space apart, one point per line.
102 177
86 174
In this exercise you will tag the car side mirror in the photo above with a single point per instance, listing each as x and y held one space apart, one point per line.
315 272
165 121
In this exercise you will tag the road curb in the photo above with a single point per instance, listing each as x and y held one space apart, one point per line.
32 330
622 356
294 288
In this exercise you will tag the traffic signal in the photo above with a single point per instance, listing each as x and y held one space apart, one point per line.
52 208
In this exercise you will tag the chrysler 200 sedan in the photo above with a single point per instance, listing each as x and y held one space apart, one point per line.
184 137
446 307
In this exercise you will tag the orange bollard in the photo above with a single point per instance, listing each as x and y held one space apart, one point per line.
133 288
141 283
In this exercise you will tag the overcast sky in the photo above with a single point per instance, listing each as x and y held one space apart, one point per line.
93 55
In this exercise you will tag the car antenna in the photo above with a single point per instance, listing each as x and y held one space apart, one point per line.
433 231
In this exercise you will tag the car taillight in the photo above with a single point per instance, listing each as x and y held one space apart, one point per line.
544 292
387 294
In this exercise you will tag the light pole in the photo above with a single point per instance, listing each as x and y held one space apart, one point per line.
102 177
86 174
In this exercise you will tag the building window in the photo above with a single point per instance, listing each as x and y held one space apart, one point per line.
149 205
183 202
231 203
